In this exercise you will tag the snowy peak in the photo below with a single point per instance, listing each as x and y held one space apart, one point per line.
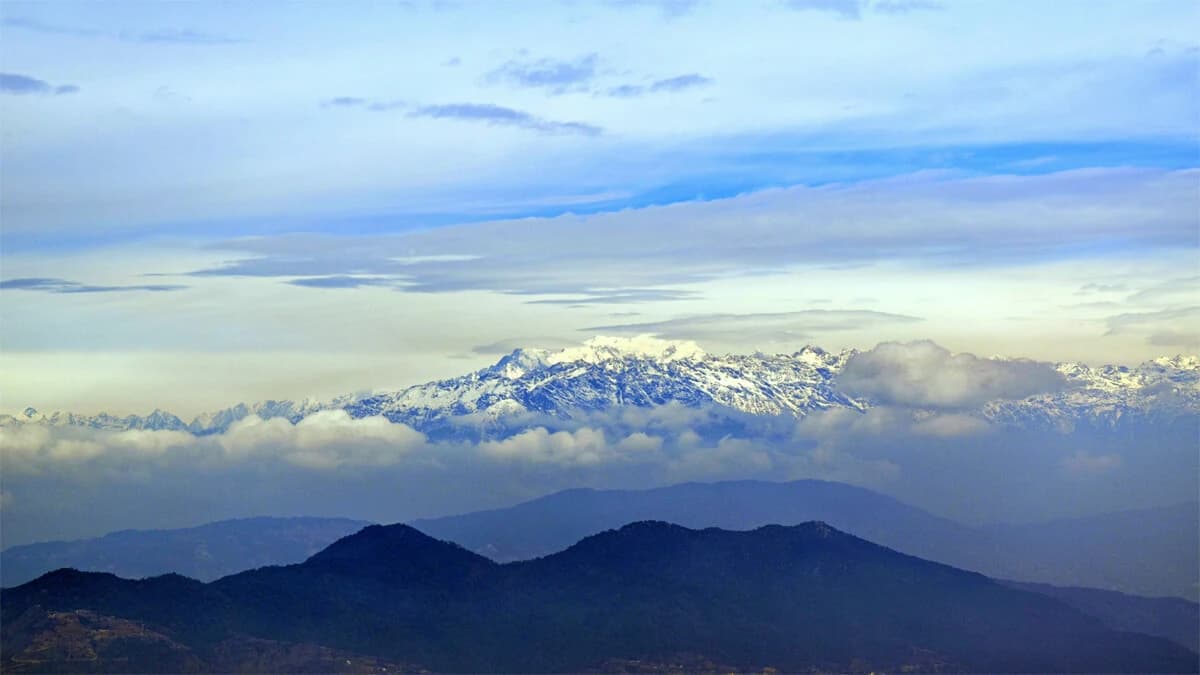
520 361
605 373
604 348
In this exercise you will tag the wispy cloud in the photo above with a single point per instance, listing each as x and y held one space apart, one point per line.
854 9
185 36
1097 287
670 84
52 29
12 83
346 102
1179 327
905 6
54 285
489 113
846 9
669 8
554 76
1185 289
342 281
935 220
759 327
180 36
617 297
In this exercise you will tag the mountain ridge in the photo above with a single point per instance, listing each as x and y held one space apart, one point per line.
648 592
644 371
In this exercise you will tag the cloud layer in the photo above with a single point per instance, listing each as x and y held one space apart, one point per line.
946 461
931 219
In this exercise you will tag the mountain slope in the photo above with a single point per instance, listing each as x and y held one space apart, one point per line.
1150 552
551 523
607 373
1176 619
206 552
649 594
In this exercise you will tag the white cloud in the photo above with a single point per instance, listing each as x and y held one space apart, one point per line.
950 426
323 440
31 448
582 447
923 374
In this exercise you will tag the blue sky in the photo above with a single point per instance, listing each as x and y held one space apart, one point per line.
457 174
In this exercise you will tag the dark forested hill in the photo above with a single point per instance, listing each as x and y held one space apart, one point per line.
647 595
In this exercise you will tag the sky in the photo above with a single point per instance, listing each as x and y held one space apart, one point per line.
270 203
208 203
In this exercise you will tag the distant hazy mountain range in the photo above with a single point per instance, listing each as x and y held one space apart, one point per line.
1152 552
1148 552
606 373
206 552
648 597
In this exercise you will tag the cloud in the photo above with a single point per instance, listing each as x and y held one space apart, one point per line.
331 464
680 82
342 281
931 220
488 113
554 76
906 6
33 449
184 36
34 25
950 425
324 440
583 447
1087 289
12 83
618 296
922 374
1186 289
1176 327
507 346
854 9
846 9
769 326
54 285
373 105
669 8
346 101
670 84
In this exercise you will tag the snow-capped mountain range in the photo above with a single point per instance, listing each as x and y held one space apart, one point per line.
607 372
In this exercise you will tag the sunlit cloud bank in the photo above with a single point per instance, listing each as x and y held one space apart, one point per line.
920 443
